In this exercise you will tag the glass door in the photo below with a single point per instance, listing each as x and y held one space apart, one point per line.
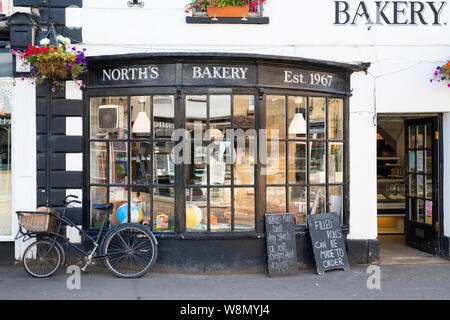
422 184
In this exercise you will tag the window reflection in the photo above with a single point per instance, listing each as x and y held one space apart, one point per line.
335 119
317 109
163 116
118 166
98 173
163 209
275 117
109 118
196 115
141 162
317 162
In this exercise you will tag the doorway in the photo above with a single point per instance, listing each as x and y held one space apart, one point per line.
408 187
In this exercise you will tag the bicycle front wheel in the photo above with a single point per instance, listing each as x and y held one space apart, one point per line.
130 251
41 259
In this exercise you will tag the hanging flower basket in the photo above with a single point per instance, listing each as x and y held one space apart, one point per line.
228 11
55 63
442 73
53 69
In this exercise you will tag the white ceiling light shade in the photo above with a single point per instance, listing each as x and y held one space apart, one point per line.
298 124
142 123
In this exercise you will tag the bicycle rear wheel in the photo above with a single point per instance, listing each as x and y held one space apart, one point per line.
41 259
130 251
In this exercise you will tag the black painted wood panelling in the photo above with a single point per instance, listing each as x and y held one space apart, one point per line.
67 179
66 108
72 144
60 180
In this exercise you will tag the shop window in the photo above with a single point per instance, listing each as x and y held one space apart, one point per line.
305 156
131 163
219 179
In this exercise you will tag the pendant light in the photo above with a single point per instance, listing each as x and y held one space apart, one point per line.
142 122
298 124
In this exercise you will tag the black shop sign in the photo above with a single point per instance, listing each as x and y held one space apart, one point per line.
281 245
217 74
327 242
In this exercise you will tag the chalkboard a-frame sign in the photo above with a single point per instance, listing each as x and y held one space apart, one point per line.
281 246
327 242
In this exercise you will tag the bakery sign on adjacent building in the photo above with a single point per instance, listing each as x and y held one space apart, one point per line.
390 13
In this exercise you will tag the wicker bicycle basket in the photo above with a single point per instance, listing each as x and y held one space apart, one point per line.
41 221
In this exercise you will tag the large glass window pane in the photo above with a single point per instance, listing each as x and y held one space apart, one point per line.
118 162
244 112
276 162
317 199
297 117
428 137
317 109
163 116
220 209
196 171
428 187
163 209
141 162
219 155
140 116
297 162
298 203
244 164
164 168
196 209
317 162
118 196
420 210
412 161
420 136
196 115
412 137
420 186
97 196
276 200
412 185
109 118
336 162
428 162
98 163
141 205
219 116
244 209
275 117
335 201
419 160
335 119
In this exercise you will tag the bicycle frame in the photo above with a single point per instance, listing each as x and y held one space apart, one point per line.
95 240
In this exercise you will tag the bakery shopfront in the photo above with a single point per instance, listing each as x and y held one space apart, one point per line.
199 147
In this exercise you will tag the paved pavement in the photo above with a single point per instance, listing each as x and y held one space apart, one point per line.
430 281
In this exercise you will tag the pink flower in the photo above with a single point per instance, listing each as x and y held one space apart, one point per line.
53 90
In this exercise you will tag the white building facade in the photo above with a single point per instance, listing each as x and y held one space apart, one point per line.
388 49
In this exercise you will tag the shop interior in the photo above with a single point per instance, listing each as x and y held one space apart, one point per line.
391 191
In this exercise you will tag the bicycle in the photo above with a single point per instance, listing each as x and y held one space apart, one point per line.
129 250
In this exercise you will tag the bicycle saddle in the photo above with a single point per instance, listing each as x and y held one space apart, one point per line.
103 206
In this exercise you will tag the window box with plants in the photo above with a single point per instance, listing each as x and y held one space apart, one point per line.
241 9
